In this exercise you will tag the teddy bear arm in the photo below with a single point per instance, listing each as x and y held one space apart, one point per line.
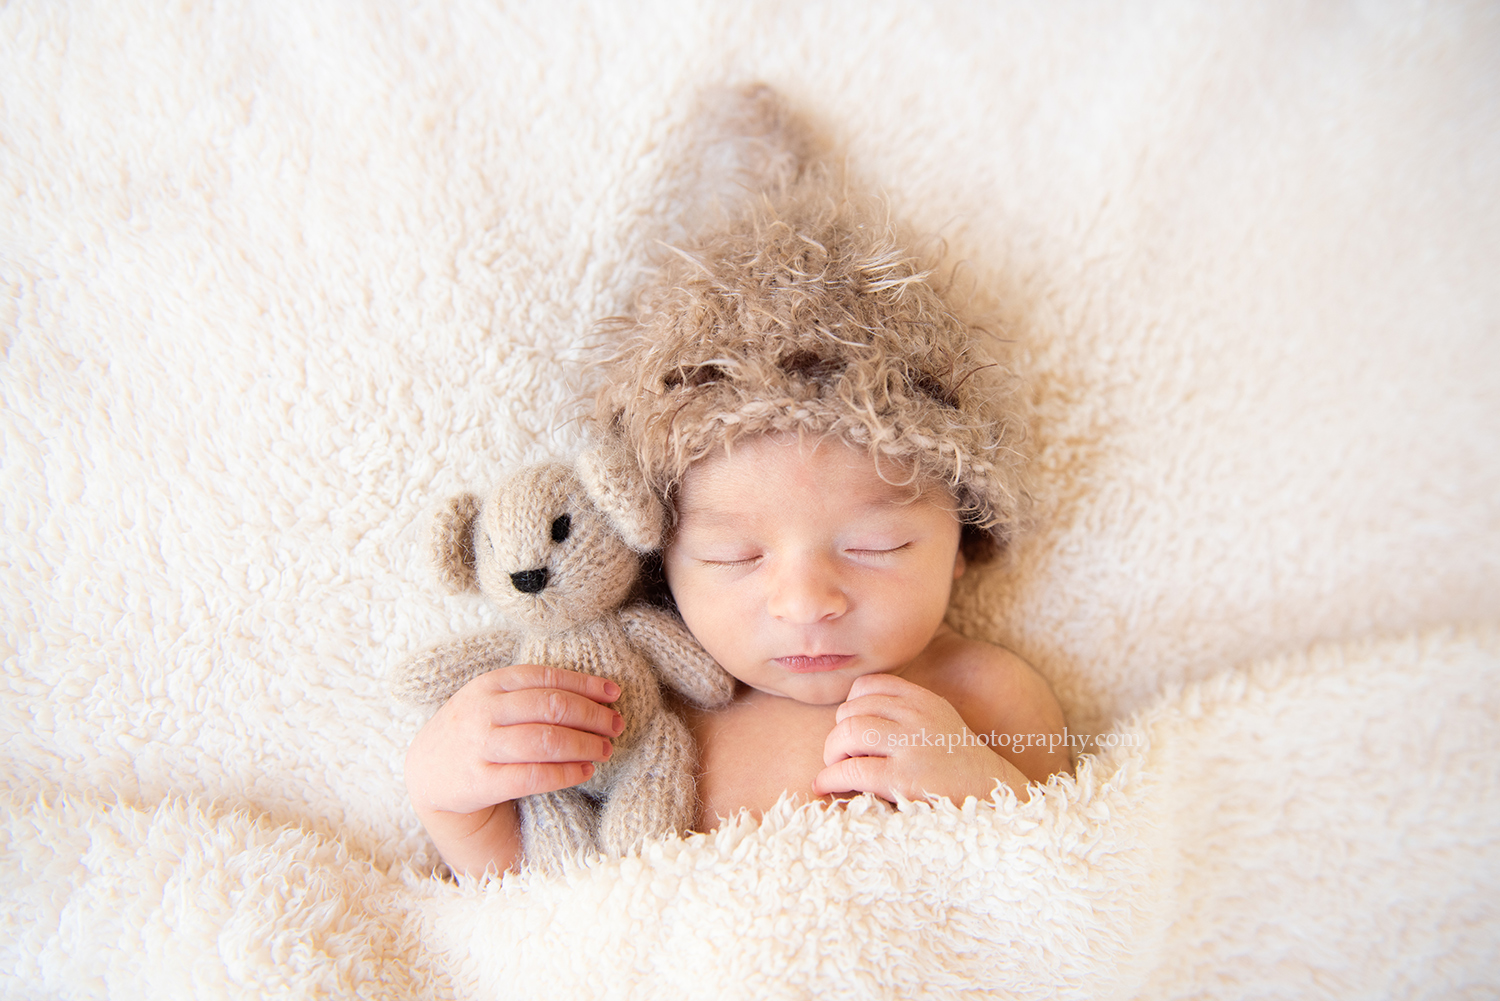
680 661
431 677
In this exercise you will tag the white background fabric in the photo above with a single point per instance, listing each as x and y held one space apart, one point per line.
276 278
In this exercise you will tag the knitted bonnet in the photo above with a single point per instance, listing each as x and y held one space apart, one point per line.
808 316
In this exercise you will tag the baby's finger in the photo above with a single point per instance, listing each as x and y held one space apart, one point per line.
865 774
883 684
538 742
555 707
856 737
891 707
507 782
517 677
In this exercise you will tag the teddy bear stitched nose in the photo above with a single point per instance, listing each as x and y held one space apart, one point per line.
529 581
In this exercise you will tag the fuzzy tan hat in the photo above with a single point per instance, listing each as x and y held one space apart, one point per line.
809 315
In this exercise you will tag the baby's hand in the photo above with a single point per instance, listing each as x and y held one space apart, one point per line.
510 733
893 736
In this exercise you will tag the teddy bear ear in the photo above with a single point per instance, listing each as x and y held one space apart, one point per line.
453 543
618 488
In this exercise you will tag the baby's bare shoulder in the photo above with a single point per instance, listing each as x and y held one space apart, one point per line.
954 661
990 686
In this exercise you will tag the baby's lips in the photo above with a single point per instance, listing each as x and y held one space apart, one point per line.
816 662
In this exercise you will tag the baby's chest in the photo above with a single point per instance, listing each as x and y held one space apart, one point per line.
752 752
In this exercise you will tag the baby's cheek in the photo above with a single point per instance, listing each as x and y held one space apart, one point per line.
710 622
912 634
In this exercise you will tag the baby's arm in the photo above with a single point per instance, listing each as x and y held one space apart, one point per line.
509 733
895 736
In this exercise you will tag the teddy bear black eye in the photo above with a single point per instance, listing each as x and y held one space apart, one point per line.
561 526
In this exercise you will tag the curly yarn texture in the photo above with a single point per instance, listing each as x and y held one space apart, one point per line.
810 316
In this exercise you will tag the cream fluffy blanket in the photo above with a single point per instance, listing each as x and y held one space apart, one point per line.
275 278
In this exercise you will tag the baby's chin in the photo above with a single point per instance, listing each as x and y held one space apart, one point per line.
828 689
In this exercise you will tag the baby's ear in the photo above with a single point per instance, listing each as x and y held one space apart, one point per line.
616 485
453 543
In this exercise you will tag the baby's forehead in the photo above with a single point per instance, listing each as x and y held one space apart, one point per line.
780 474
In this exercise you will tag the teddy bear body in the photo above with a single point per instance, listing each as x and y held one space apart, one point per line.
601 648
558 558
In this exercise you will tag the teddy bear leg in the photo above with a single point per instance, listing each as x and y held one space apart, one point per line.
655 792
557 827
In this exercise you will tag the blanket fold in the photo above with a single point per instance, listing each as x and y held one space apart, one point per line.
1290 808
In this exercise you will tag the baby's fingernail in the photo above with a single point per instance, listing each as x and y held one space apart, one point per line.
611 690
618 723
608 750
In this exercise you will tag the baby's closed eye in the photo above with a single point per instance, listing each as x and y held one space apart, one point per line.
717 548
728 558
876 549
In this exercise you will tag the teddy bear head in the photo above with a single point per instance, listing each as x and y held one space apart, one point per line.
554 546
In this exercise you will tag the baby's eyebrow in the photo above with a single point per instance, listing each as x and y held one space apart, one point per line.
729 516
714 517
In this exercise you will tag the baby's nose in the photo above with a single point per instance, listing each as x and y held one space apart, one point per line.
807 592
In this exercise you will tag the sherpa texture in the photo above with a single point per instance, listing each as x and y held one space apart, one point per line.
276 278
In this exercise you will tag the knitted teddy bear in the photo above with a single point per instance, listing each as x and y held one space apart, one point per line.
556 549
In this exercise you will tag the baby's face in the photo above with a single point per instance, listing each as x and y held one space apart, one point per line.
799 569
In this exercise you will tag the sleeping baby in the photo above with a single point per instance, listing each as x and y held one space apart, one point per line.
833 455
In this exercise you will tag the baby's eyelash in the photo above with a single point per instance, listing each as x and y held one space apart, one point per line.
881 552
730 563
862 553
